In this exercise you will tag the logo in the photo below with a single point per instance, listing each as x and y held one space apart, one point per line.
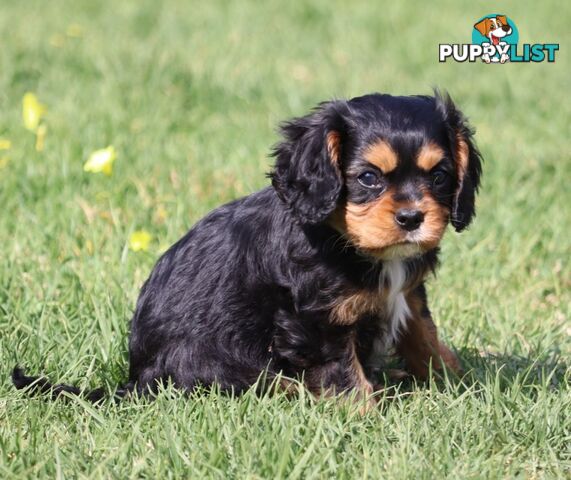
495 39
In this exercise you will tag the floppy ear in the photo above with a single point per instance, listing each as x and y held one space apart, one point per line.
503 19
467 160
482 26
307 174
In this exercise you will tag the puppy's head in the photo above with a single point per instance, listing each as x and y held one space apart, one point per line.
389 173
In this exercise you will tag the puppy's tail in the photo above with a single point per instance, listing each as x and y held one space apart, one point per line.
41 385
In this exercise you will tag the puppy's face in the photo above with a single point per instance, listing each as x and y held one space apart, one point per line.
398 195
494 28
390 173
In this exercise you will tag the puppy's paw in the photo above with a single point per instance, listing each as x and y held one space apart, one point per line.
397 374
450 359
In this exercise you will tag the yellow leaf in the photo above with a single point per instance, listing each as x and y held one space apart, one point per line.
101 161
140 241
5 144
160 214
32 111
41 137
74 30
57 40
89 247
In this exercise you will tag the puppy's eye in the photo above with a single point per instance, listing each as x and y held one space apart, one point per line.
369 180
439 177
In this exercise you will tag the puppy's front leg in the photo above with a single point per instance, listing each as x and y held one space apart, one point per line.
323 353
418 344
341 375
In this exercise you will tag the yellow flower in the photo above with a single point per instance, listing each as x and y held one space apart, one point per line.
32 111
101 161
140 241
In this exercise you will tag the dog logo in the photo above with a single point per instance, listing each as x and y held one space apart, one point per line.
495 40
494 30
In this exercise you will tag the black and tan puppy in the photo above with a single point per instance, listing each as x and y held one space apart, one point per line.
319 275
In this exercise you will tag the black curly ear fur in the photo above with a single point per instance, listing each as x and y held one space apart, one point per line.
467 159
307 174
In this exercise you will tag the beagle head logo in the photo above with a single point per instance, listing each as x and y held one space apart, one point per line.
494 28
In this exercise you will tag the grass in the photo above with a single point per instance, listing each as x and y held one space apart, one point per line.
189 95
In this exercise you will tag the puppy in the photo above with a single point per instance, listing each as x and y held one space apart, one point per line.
320 275
495 29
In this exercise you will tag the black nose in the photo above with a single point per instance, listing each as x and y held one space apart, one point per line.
409 219
506 28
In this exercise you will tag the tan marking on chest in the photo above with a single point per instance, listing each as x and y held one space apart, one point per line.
348 309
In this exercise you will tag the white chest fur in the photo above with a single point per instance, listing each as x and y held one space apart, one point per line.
393 277
395 313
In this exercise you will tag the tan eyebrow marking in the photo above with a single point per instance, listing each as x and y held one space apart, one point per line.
429 156
382 156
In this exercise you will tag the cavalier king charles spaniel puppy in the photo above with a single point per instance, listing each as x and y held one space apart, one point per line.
320 275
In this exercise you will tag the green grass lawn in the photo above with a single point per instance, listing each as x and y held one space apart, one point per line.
189 94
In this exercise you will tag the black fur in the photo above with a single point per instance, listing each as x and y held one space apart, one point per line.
251 286
457 126
304 176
